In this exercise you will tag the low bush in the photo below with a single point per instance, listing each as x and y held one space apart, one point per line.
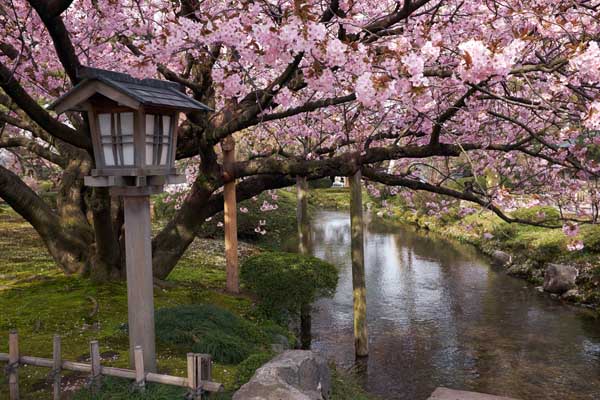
210 329
283 282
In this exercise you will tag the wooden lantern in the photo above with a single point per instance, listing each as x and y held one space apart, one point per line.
133 124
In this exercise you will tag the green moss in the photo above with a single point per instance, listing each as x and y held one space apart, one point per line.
38 300
248 367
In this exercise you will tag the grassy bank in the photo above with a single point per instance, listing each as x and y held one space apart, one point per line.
531 247
38 300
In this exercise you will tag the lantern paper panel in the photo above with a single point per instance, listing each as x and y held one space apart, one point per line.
116 132
158 135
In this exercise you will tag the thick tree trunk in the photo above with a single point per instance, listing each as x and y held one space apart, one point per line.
107 259
71 251
170 244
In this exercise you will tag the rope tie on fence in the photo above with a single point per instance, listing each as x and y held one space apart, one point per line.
194 394
136 387
92 381
11 368
53 374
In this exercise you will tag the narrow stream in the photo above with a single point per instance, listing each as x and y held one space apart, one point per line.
439 315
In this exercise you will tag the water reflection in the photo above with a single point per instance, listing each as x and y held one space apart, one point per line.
440 316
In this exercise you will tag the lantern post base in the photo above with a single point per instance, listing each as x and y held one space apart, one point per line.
140 290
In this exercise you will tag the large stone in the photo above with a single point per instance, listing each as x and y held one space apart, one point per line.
501 257
559 278
292 375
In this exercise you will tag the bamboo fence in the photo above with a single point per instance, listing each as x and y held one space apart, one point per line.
198 379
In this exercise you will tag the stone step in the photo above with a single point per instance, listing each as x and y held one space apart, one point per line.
450 394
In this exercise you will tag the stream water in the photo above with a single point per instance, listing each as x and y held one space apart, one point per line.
440 315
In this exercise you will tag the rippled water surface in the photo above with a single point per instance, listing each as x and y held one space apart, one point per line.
439 315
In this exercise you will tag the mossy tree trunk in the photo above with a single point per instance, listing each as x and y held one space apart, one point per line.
78 230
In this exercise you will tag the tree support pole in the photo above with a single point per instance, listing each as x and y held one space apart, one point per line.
140 290
230 217
361 338
303 248
302 215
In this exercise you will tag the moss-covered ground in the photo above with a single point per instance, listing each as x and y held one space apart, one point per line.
38 300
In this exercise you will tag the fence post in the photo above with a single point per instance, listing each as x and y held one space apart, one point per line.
192 372
140 373
96 368
57 359
199 369
205 367
13 365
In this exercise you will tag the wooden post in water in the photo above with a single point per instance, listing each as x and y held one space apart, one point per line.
140 284
361 337
13 365
302 215
230 216
303 248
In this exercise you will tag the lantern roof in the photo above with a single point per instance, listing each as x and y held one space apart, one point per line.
126 90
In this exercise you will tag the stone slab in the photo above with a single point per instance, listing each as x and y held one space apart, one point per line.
450 394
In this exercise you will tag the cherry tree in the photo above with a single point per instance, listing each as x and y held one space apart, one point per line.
405 91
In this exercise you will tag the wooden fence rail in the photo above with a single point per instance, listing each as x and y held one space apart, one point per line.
198 380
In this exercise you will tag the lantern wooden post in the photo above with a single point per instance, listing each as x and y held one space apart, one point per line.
140 290
361 339
230 216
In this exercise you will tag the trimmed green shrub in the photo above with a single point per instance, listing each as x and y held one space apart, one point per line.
209 329
247 368
285 281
